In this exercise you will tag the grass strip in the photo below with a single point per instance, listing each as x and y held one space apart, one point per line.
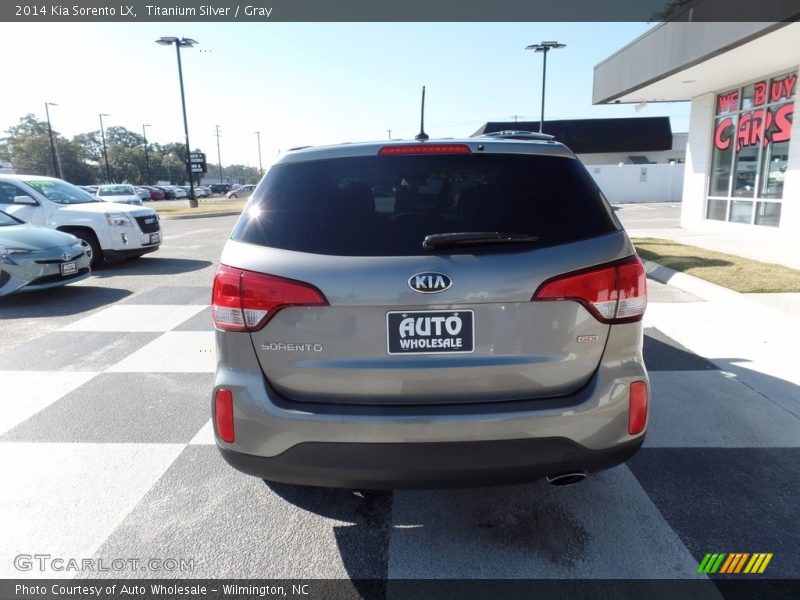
734 272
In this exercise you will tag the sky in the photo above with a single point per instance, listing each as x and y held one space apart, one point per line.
306 83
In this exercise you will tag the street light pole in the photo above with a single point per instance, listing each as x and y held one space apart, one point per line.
146 155
544 48
219 157
260 169
56 170
105 152
187 43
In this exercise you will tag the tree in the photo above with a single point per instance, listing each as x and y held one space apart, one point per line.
236 173
75 165
27 146
125 150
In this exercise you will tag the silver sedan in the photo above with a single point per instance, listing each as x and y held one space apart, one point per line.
36 258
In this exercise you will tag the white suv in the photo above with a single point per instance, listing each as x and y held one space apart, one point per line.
112 230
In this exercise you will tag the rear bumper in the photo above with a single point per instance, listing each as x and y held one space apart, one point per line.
436 445
429 465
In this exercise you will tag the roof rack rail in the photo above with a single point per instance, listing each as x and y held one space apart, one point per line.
518 135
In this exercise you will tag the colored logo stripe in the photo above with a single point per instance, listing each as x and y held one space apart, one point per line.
734 563
711 563
758 563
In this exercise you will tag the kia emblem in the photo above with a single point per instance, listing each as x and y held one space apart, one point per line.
429 282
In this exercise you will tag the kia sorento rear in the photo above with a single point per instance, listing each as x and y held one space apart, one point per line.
429 314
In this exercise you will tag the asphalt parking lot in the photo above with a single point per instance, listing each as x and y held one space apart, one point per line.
107 452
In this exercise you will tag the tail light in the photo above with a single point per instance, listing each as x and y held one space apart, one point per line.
223 415
613 293
245 301
637 407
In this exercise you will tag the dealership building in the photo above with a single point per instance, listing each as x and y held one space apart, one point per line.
742 165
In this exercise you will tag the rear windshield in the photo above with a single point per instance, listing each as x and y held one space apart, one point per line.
115 190
385 206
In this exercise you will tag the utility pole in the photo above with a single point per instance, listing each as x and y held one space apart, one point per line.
260 170
105 152
56 166
219 160
389 131
146 155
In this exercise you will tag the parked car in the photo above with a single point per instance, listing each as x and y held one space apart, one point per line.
169 194
475 320
111 230
188 191
92 189
155 193
178 192
121 193
220 188
142 192
37 258
242 192
202 191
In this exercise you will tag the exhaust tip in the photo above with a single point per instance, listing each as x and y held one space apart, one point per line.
565 479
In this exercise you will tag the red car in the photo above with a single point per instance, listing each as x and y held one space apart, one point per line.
155 193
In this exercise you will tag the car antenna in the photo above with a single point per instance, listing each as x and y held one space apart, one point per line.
422 136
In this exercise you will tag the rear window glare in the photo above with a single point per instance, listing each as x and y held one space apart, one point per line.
385 206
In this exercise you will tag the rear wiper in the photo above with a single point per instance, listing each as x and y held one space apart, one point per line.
468 238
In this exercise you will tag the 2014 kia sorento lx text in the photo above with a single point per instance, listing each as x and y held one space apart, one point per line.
429 314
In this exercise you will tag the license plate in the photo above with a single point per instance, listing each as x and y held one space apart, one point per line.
69 268
155 238
430 332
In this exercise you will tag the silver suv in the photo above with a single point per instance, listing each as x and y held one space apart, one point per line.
429 314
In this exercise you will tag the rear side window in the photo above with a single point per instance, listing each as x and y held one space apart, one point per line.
386 205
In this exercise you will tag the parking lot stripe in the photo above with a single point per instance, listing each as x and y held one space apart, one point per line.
536 531
123 408
727 499
173 352
67 498
234 525
205 436
22 400
710 409
136 317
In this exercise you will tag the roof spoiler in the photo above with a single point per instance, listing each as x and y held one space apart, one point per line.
518 135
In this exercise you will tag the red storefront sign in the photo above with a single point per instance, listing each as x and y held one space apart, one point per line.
764 125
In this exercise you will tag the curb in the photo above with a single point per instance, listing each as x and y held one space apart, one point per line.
168 217
689 283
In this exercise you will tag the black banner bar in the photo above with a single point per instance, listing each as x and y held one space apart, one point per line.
732 588
264 11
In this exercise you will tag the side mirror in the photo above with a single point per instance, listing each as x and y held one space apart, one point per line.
25 200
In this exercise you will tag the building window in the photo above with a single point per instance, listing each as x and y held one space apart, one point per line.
752 127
